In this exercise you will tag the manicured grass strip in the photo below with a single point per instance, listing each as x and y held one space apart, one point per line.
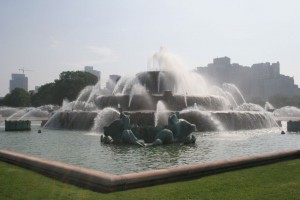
275 181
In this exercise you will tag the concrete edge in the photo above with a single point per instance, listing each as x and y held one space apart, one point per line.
86 178
105 182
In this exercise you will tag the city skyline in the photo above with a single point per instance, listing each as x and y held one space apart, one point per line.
118 37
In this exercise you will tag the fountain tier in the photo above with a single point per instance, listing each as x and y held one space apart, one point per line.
204 121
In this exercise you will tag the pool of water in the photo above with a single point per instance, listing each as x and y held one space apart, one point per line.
85 150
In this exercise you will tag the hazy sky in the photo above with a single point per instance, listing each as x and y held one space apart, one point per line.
118 37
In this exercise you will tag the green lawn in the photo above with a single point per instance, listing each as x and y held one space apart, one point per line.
276 181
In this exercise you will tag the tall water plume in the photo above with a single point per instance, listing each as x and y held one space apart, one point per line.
161 114
187 81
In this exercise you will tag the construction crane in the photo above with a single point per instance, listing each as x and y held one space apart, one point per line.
23 70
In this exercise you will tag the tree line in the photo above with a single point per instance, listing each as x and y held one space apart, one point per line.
68 86
70 83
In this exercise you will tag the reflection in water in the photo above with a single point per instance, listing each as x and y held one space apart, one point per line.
85 150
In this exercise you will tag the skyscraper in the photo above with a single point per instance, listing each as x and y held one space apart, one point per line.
90 70
18 81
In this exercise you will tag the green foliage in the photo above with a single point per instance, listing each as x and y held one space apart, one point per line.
17 98
275 181
67 86
44 95
70 84
280 100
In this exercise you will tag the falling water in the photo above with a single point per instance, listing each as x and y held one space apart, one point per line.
161 114
268 106
158 82
18 114
137 89
96 90
34 113
287 111
204 120
214 90
8 111
104 118
236 93
250 107
84 93
185 100
223 106
231 99
120 85
53 121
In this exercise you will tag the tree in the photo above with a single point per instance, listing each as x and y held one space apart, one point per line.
44 95
70 84
17 98
67 86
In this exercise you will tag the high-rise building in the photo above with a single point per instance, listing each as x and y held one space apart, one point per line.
261 80
90 70
36 89
18 81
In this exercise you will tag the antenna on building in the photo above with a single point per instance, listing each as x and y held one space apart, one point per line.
23 70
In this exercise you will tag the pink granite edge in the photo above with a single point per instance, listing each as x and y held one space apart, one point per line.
107 182
189 170
57 168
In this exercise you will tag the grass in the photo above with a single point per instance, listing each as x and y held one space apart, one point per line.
275 181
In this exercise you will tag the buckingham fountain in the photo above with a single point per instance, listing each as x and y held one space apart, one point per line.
151 98
165 104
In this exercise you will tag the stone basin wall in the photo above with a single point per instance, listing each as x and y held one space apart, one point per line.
105 182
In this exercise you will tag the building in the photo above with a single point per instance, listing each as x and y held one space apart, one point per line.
36 89
18 81
90 70
261 80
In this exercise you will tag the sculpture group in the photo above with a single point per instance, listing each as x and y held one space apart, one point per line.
120 131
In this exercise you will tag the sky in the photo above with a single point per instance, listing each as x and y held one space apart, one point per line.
119 36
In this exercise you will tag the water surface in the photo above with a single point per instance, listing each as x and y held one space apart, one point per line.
85 150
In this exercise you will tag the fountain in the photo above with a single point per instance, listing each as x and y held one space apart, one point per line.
27 113
150 97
